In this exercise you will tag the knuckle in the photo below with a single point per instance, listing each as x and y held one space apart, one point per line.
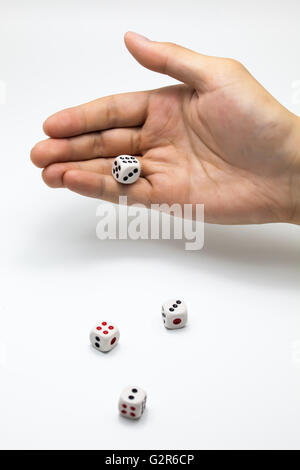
234 64
135 142
102 188
98 144
112 112
48 177
225 70
170 45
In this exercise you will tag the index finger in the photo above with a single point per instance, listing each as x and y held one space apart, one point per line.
123 110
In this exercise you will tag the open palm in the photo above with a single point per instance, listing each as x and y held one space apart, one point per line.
219 139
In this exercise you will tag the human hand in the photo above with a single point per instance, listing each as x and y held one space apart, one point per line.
219 139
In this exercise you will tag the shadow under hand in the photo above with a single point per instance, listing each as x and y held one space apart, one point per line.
264 255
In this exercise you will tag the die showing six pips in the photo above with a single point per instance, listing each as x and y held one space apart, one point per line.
126 169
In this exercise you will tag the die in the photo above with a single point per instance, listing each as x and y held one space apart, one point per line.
104 336
174 314
132 402
126 169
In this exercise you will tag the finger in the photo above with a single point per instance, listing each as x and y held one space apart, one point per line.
178 62
53 174
124 110
106 187
108 143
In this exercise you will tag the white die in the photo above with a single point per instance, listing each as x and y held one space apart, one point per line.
104 336
132 402
174 314
126 169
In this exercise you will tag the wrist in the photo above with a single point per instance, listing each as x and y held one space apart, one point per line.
294 213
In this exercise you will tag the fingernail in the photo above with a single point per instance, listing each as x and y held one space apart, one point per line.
139 36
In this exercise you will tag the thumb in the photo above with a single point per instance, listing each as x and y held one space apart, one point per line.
178 62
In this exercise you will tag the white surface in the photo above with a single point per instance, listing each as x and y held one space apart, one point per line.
235 383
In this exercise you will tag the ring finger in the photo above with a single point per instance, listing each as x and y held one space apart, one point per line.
108 143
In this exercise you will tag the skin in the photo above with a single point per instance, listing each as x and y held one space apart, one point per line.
218 139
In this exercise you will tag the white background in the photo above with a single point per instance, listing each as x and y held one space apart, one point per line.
231 379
